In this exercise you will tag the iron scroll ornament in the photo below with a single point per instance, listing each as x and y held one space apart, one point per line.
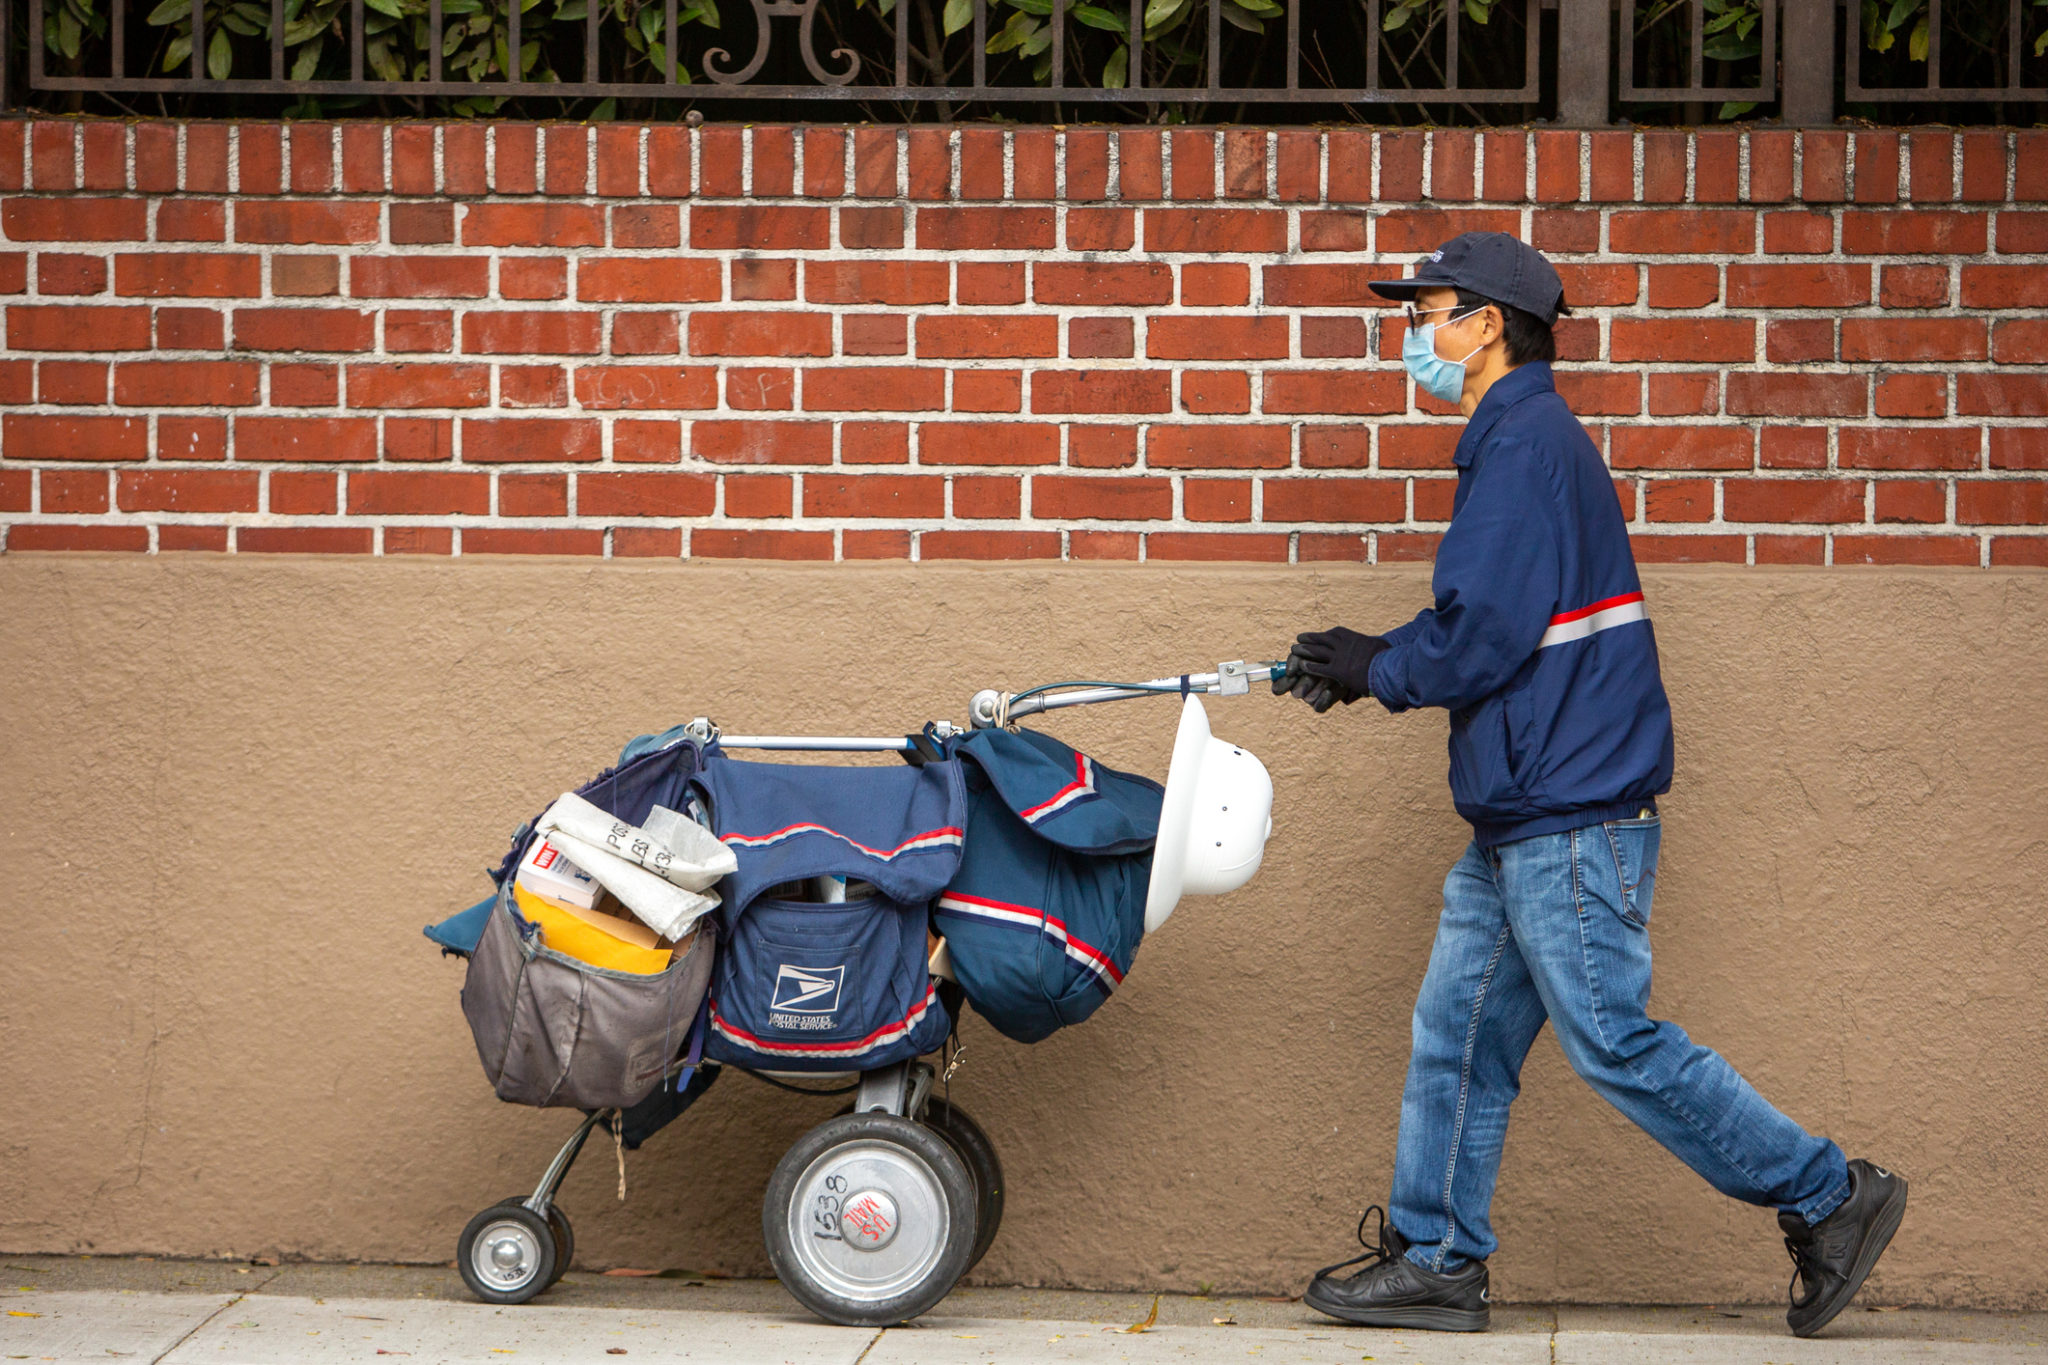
806 13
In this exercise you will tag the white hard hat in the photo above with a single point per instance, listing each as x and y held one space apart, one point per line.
1215 822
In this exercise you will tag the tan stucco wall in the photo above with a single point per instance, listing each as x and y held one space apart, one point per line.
232 791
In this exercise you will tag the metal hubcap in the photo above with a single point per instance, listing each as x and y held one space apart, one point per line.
868 1222
506 1255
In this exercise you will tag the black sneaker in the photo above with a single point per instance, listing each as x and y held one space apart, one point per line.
1832 1257
1393 1291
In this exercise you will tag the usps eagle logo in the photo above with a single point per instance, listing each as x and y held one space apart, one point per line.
808 990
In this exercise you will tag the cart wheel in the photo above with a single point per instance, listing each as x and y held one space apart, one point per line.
565 1236
869 1219
507 1254
565 1242
979 1153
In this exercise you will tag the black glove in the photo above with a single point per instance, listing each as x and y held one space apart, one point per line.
1343 657
1319 693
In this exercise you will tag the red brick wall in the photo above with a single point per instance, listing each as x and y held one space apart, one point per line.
828 343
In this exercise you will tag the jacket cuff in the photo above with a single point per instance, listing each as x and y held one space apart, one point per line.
1385 677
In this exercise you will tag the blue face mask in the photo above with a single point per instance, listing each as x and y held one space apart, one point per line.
1441 379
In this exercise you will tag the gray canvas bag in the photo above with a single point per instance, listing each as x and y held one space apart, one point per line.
553 1031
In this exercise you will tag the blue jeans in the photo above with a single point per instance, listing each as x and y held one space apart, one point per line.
1557 927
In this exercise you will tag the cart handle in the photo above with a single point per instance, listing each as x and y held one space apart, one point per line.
989 707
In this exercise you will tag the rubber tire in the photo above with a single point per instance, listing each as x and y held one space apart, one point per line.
543 1235
954 1181
565 1242
968 1139
565 1236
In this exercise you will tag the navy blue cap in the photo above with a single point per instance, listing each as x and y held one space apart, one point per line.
1492 264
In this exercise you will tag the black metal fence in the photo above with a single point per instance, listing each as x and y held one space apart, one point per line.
1581 62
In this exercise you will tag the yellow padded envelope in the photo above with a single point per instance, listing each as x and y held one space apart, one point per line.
574 937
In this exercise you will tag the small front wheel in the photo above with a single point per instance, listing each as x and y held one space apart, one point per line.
565 1236
506 1254
869 1219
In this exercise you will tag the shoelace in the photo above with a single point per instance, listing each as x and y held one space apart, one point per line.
1376 1253
1803 1268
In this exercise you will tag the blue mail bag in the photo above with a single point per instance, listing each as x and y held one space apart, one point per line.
1044 917
808 986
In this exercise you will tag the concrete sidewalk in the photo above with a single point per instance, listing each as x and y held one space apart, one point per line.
188 1312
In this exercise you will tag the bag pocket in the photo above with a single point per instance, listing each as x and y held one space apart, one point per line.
552 1031
817 986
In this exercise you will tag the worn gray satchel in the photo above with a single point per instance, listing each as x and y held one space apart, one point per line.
553 1031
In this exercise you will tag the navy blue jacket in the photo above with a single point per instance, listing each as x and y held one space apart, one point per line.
1539 643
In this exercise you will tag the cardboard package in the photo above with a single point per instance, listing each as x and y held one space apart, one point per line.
546 873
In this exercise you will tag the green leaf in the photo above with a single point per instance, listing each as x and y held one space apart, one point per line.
1117 70
390 7
1177 15
710 8
1095 16
1157 12
650 23
1902 10
1014 34
2041 44
235 23
1916 46
220 55
384 61
178 52
657 56
308 61
68 35
1399 15
1476 11
958 15
1737 108
1039 41
572 11
1041 8
170 12
1237 18
607 109
1730 48
1265 9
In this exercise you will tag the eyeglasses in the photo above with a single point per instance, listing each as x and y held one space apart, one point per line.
1416 315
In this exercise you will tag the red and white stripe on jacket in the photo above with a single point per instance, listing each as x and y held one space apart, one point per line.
1080 789
1605 614
1025 917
